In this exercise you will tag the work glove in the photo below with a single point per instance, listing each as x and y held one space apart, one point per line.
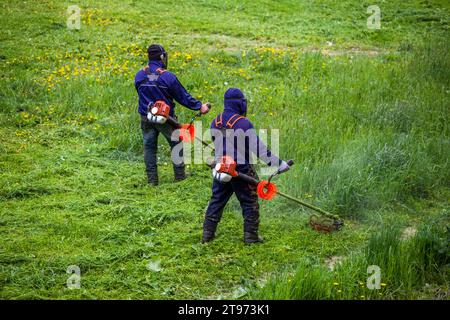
283 167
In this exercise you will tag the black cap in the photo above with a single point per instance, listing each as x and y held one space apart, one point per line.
155 51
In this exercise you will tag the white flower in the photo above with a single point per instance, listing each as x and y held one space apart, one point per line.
154 266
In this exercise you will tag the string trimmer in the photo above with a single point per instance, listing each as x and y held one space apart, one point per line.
225 170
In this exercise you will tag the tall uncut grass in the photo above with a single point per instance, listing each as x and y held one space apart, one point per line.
406 265
374 133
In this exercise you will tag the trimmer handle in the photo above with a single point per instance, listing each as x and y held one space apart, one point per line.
208 105
255 181
289 163
199 114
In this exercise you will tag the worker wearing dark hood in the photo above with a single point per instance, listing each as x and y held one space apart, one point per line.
154 83
240 149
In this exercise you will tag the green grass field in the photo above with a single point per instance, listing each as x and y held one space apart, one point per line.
364 113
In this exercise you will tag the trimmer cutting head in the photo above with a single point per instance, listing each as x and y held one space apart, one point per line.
324 223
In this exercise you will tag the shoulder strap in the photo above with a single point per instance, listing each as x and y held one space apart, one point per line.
147 70
160 71
232 121
218 120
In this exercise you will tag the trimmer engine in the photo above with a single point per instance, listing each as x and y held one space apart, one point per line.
158 112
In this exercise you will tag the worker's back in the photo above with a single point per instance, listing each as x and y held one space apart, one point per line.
234 135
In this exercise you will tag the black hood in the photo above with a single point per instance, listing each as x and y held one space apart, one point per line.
234 100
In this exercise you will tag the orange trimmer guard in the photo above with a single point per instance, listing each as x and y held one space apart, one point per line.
266 190
187 132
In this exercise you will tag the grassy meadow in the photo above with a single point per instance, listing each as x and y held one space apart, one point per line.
364 113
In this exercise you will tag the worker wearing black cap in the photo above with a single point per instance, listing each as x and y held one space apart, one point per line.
154 83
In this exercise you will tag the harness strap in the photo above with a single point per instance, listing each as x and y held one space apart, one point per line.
159 71
218 120
146 69
232 121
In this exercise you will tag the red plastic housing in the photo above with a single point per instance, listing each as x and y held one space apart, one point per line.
162 108
266 190
228 165
187 132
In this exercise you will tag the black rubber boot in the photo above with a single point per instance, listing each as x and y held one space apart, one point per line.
179 178
251 237
208 236
179 173
152 180
153 183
